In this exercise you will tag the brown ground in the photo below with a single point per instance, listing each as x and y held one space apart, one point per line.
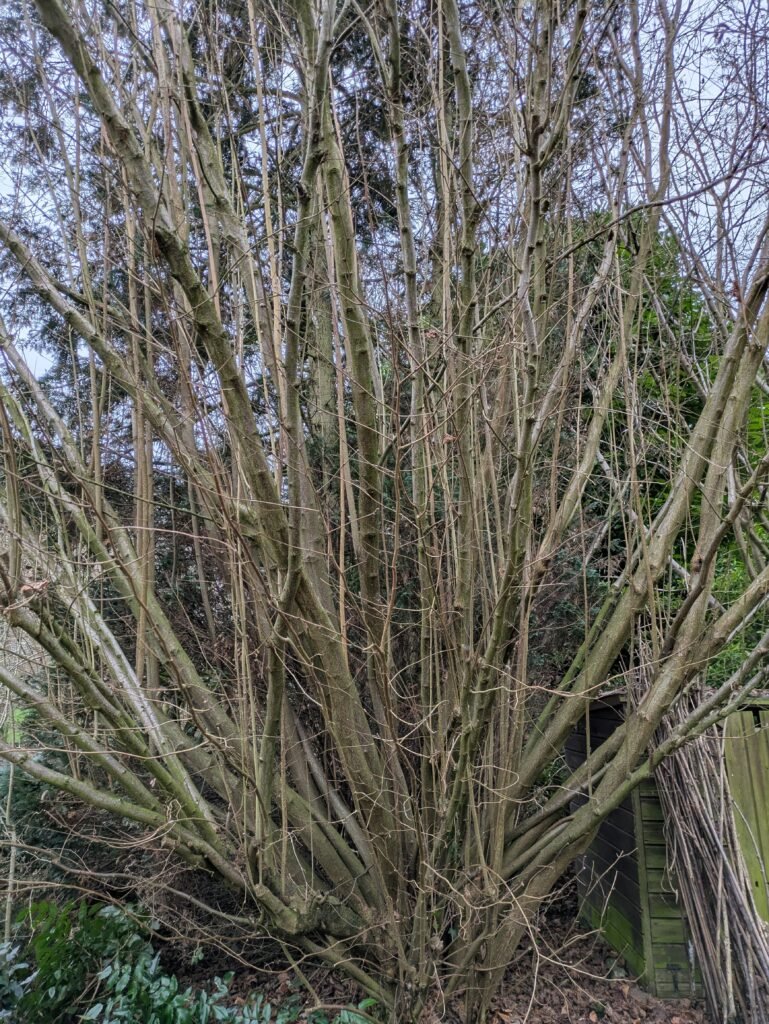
579 983
571 978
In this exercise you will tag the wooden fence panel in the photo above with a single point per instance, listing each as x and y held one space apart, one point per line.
747 762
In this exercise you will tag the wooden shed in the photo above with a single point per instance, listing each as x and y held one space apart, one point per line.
624 886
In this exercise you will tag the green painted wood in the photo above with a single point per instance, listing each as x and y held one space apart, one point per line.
672 956
619 931
760 770
616 842
598 885
758 760
659 881
605 863
624 887
670 971
656 856
663 905
628 908
747 764
678 985
616 936
653 833
624 826
643 900
620 833
651 809
665 930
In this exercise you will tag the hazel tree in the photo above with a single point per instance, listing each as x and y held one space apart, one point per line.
401 388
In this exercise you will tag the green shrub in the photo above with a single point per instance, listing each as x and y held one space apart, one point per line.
96 963
15 976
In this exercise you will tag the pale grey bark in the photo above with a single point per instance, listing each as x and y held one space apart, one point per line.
391 442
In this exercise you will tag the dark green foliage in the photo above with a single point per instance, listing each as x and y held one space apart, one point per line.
15 977
96 963
65 947
29 803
